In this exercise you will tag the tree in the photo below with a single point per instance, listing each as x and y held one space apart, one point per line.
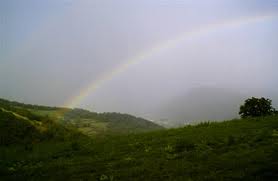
254 107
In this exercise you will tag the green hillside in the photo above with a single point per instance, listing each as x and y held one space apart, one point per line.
89 123
244 149
18 129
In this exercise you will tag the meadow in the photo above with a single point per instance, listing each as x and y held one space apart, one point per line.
241 149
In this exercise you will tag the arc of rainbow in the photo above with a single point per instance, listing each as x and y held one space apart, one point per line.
161 47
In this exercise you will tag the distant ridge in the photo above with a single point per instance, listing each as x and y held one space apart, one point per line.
89 123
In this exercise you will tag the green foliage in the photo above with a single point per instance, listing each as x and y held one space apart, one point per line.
89 123
230 150
124 123
14 104
107 123
75 146
255 107
15 130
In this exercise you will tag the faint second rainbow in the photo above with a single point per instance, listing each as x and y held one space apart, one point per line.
160 47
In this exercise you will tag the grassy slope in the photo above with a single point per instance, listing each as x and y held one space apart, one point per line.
18 129
231 150
108 123
89 123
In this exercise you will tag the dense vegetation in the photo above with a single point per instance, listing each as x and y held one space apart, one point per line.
244 149
18 129
108 123
89 123
254 107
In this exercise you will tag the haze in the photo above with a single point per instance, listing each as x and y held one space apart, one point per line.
51 50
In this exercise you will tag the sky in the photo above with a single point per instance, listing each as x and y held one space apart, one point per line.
178 60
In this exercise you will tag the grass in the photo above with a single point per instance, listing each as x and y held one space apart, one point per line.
90 127
231 150
50 113
89 123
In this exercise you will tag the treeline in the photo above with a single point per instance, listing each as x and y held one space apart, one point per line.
4 102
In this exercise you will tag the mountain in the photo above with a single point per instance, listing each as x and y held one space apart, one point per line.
89 123
200 104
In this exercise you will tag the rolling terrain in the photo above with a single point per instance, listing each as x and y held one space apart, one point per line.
35 146
89 123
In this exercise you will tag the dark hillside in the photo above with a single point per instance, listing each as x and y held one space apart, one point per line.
89 123
243 149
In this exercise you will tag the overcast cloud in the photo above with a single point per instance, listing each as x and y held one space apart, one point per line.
50 50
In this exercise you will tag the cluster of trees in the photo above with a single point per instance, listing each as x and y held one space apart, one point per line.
254 107
7 103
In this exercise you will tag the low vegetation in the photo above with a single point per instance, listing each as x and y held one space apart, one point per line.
244 149
89 123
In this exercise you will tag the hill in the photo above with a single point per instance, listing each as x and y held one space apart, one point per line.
92 123
89 123
16 129
244 149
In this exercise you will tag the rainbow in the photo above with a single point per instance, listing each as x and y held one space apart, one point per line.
203 30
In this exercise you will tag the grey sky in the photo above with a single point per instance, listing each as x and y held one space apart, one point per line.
50 50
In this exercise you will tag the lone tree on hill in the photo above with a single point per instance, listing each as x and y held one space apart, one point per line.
254 107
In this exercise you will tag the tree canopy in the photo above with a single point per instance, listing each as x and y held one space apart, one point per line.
254 107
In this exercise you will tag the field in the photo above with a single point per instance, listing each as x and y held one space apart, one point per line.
244 149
